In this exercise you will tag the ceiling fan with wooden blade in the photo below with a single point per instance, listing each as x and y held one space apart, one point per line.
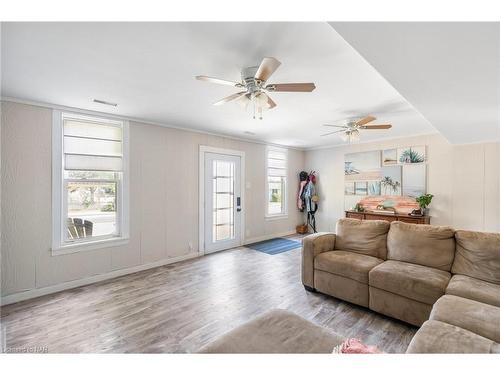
219 81
350 131
254 81
230 98
385 126
365 120
337 131
291 87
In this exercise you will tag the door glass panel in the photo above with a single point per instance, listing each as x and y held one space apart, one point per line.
223 184
223 215
223 200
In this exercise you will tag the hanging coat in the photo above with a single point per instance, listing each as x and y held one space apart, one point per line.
309 192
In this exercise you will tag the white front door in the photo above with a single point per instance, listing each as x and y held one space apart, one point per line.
222 188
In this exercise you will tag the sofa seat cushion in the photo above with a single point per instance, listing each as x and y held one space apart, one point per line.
420 283
471 288
438 337
473 316
277 331
399 307
344 263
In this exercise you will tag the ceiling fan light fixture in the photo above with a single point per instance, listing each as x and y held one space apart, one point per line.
344 136
354 136
261 101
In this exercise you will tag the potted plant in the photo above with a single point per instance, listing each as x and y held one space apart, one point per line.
359 208
424 201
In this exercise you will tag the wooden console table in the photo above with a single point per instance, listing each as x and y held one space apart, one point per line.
389 217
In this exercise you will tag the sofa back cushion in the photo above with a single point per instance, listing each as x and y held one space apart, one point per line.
478 255
427 245
368 237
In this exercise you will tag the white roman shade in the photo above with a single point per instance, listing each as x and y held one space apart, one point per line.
276 163
92 146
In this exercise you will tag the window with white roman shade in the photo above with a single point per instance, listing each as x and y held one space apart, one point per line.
92 146
90 188
276 181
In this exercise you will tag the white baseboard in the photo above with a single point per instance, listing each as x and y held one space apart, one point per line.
267 237
22 296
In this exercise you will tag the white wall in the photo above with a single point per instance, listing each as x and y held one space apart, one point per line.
163 202
464 179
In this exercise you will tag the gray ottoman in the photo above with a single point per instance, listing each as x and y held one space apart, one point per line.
277 331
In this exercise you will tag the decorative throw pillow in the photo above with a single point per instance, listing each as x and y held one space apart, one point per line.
355 346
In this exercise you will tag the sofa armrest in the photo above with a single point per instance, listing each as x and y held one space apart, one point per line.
313 245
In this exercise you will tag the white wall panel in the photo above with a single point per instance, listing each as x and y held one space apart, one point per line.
492 187
25 192
154 201
468 187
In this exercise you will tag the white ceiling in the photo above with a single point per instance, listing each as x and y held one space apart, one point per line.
149 69
449 71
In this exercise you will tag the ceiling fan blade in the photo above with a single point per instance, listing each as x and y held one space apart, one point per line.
337 131
218 81
266 68
386 126
365 120
271 102
244 100
295 87
231 98
337 126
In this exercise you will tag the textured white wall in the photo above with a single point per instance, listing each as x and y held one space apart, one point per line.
163 200
465 180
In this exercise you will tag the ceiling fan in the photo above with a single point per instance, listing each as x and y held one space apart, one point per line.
255 87
350 131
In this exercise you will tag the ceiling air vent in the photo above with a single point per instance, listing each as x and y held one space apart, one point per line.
105 102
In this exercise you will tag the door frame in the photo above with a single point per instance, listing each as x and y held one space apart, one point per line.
201 198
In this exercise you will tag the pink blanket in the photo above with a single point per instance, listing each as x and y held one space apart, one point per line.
354 346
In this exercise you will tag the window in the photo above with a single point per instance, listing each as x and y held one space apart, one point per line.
276 181
90 201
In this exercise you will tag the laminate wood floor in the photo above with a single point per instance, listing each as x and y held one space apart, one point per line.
180 307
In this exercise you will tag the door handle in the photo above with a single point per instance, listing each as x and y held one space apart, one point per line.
238 204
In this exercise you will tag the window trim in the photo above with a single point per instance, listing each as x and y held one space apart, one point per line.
59 246
284 214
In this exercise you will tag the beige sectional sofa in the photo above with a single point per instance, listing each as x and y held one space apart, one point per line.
416 273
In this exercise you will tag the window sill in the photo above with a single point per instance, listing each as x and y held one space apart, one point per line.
276 217
94 245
